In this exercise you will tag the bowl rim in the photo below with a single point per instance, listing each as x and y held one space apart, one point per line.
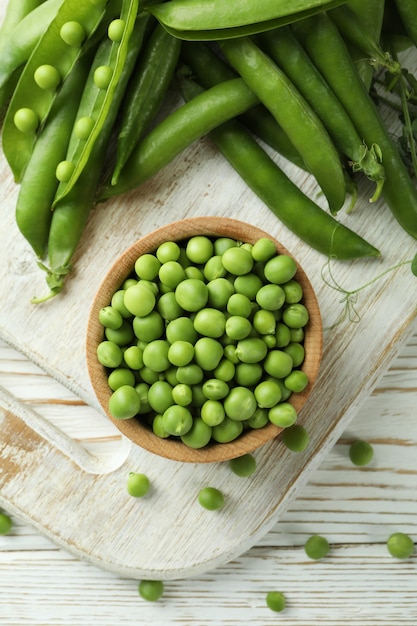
122 267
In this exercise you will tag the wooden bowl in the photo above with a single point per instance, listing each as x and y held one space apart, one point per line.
141 434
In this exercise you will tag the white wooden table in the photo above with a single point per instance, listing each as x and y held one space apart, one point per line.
358 584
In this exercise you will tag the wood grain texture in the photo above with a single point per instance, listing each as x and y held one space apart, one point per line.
358 584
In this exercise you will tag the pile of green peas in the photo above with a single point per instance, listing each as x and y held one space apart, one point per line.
205 339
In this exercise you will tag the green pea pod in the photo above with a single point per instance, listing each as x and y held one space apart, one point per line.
179 129
352 31
289 204
319 34
53 50
285 49
80 149
210 69
200 20
71 213
39 183
15 12
293 114
146 92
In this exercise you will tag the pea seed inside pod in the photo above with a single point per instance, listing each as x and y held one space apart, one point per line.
64 171
73 33
116 29
83 127
102 76
26 120
47 77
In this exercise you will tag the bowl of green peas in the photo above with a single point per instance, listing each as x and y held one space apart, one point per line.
204 340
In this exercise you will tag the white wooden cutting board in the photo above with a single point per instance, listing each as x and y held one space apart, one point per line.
81 502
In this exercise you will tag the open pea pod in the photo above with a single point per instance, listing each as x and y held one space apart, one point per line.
199 20
106 80
49 64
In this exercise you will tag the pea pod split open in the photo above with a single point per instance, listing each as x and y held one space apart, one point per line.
53 50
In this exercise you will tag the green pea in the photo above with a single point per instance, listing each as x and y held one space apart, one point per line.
227 431
239 304
6 524
219 292
400 545
214 268
119 377
181 329
110 318
83 127
148 327
293 291
180 353
221 244
147 266
316 547
133 357
102 76
47 77
248 374
267 394
212 412
160 396
296 381
198 396
238 327
243 466
169 307
198 436
122 335
148 375
211 498
118 303
214 389
142 389
191 294
207 353
116 29
263 249
191 271
182 394
109 354
278 363
295 438
270 297
295 315
190 374
151 590
240 404
158 427
248 285
199 249
72 33
280 269
210 322
237 260
283 415
296 351
225 370
155 355
251 350
275 600
177 420
264 322
26 120
139 300
282 335
168 251
137 485
64 171
297 335
124 403
361 452
259 419
171 273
